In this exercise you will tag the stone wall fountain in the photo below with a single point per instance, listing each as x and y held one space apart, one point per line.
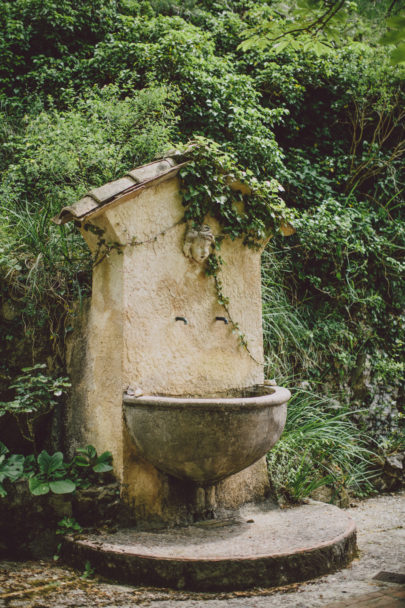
161 381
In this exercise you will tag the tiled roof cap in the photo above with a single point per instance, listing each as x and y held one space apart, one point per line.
137 179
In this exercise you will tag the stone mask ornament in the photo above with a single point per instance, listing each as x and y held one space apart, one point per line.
198 242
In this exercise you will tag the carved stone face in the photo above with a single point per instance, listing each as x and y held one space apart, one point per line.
200 249
198 243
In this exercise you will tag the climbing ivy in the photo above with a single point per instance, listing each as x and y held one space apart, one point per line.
213 183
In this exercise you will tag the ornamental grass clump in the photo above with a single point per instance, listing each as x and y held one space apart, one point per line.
320 446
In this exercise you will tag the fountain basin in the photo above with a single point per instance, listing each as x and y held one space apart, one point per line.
205 439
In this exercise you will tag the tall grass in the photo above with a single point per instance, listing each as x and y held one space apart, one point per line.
288 343
321 444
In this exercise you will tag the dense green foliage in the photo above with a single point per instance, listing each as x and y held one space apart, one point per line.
89 90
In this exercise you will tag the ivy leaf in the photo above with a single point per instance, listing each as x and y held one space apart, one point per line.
81 461
90 451
13 468
105 457
62 486
103 463
38 487
48 464
102 467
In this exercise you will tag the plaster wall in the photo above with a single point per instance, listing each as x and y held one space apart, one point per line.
94 361
134 340
162 355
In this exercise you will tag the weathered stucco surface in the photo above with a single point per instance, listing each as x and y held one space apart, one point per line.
132 339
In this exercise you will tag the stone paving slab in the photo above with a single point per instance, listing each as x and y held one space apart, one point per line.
386 598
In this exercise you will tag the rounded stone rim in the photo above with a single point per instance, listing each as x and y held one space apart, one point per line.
278 396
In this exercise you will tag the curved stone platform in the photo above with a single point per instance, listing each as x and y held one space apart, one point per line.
263 546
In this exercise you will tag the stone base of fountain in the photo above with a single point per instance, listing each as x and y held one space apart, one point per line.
262 545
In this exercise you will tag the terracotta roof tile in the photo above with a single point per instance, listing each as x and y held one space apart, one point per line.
111 189
83 207
147 172
99 197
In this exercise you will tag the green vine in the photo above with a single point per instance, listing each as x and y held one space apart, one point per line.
104 247
213 184
214 263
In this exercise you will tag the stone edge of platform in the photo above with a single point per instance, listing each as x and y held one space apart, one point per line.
214 574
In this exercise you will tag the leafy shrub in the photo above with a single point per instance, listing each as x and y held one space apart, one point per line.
36 394
342 270
43 42
206 188
50 473
87 463
51 476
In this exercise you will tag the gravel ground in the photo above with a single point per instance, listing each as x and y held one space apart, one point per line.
381 540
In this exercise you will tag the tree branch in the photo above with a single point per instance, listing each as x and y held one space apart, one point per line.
322 21
390 8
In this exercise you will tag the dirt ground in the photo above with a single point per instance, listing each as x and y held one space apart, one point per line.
381 540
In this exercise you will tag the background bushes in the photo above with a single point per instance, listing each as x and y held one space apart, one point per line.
89 90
